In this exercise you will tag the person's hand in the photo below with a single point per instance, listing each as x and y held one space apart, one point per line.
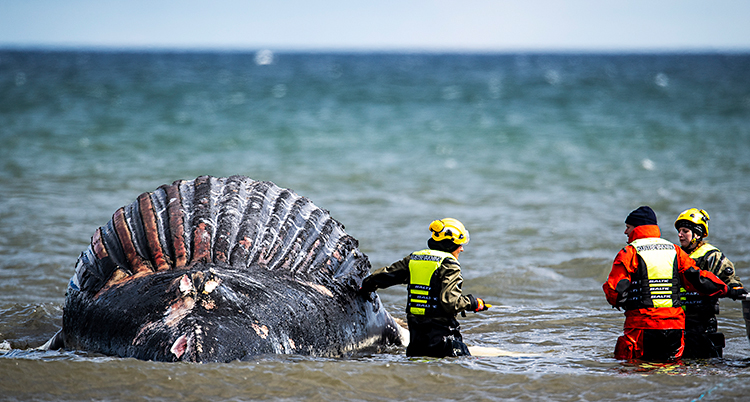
737 293
367 294
481 306
477 304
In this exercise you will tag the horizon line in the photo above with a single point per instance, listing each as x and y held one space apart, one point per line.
363 50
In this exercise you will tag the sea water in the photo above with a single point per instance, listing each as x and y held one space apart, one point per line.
541 156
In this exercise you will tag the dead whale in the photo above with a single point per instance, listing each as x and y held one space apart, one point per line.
221 269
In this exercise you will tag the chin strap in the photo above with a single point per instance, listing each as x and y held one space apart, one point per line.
694 243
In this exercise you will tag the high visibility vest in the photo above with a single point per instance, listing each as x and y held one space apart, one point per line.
688 299
703 252
656 281
424 283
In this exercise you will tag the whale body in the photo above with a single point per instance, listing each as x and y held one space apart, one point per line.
223 269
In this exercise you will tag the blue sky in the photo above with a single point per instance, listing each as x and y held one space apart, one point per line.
419 25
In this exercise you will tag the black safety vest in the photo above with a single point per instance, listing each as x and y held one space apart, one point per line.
656 281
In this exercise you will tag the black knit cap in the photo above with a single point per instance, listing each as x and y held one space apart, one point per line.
445 245
644 215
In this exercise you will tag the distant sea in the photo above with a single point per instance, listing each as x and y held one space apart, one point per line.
541 156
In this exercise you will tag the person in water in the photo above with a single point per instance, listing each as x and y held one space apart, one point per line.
702 339
645 280
433 276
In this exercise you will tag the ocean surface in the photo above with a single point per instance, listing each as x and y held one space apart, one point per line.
541 156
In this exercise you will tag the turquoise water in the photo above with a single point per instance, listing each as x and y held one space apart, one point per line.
541 156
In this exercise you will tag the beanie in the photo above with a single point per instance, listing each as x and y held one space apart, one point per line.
445 245
644 215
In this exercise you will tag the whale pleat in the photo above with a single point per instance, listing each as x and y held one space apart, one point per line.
234 221
219 269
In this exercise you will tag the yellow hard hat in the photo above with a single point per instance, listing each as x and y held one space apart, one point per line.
449 228
694 219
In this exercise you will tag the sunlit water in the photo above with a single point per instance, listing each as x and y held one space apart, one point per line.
541 156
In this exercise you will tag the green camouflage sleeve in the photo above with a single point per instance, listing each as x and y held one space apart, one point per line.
451 297
394 274
720 265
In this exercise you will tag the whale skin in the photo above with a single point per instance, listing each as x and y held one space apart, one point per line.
223 269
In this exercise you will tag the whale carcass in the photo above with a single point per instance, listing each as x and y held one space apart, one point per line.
220 269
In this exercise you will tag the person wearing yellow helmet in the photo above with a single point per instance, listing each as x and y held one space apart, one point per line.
645 280
702 339
434 295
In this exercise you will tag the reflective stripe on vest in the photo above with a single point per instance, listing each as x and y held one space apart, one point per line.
656 282
424 290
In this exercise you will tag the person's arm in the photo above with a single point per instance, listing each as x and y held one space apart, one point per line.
700 280
394 274
619 278
451 298
720 265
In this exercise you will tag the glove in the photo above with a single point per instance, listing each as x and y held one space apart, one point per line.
477 304
367 294
737 293
480 305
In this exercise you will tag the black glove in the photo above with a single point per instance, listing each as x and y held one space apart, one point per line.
737 293
367 294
